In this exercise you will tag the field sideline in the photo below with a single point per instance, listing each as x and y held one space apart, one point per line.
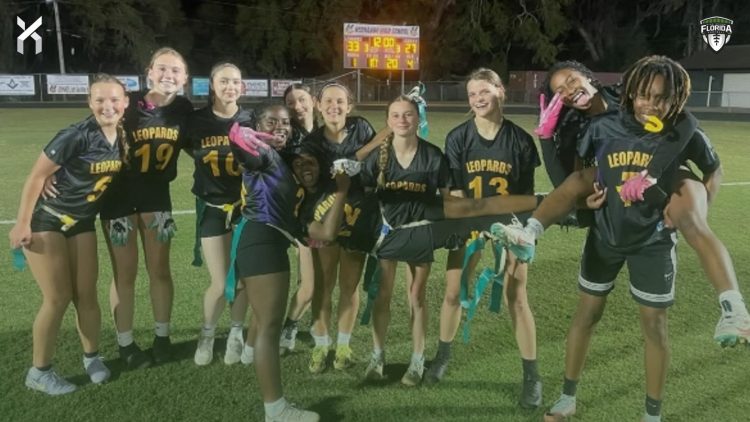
705 383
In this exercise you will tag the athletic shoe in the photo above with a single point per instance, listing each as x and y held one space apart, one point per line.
564 407
48 382
288 339
519 241
344 357
374 369
318 359
413 375
134 357
436 371
204 353
247 356
531 393
293 414
95 368
162 349
732 330
235 344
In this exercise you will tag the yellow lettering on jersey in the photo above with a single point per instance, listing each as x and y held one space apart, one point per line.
628 158
323 207
214 141
157 132
107 166
492 166
351 214
406 186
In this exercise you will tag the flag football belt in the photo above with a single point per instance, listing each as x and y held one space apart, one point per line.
67 221
228 209
200 210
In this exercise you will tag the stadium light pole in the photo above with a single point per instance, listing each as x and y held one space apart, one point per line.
60 55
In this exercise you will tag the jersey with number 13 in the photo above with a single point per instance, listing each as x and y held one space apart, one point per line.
487 167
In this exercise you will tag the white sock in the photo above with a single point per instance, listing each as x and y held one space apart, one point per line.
377 352
274 409
343 338
208 331
731 302
125 338
322 340
161 329
534 227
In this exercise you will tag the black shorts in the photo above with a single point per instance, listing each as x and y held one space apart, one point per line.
126 197
262 249
42 221
214 221
652 270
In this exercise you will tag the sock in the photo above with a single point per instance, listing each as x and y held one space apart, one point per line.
530 370
653 407
731 303
91 355
569 387
377 352
207 331
274 409
291 323
343 338
125 338
161 329
444 350
322 340
534 227
41 369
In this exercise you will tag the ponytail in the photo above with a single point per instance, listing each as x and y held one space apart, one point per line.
383 160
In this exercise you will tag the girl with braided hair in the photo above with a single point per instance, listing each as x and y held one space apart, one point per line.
58 235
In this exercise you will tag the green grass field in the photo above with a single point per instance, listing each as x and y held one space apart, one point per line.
705 383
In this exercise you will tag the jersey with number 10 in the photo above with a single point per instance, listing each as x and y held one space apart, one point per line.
488 167
217 177
87 164
154 138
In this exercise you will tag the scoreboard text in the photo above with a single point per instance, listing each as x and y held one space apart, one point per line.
381 47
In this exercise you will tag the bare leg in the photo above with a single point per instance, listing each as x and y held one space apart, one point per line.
84 271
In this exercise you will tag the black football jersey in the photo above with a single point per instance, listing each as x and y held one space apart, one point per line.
359 133
488 167
217 176
270 193
87 165
407 190
155 138
361 216
623 149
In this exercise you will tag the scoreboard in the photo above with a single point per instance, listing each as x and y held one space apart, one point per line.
381 47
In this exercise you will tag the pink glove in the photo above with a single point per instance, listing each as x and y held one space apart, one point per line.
633 188
249 140
548 116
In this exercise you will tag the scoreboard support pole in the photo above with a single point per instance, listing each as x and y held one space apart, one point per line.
359 86
402 82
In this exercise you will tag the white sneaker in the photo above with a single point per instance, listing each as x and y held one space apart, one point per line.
95 368
247 356
204 353
292 414
563 408
288 339
413 374
374 371
235 343
48 382
732 329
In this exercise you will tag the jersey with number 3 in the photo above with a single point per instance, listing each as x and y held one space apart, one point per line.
154 138
217 177
87 164
488 167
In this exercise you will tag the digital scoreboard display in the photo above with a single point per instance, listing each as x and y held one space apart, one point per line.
386 47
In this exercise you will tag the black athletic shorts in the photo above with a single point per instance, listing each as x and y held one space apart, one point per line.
126 197
42 221
214 221
652 270
262 249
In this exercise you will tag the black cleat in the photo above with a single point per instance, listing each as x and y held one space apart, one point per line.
134 357
162 349
436 371
531 393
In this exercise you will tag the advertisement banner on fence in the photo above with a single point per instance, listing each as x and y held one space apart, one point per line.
132 83
279 85
17 85
255 87
200 86
67 84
